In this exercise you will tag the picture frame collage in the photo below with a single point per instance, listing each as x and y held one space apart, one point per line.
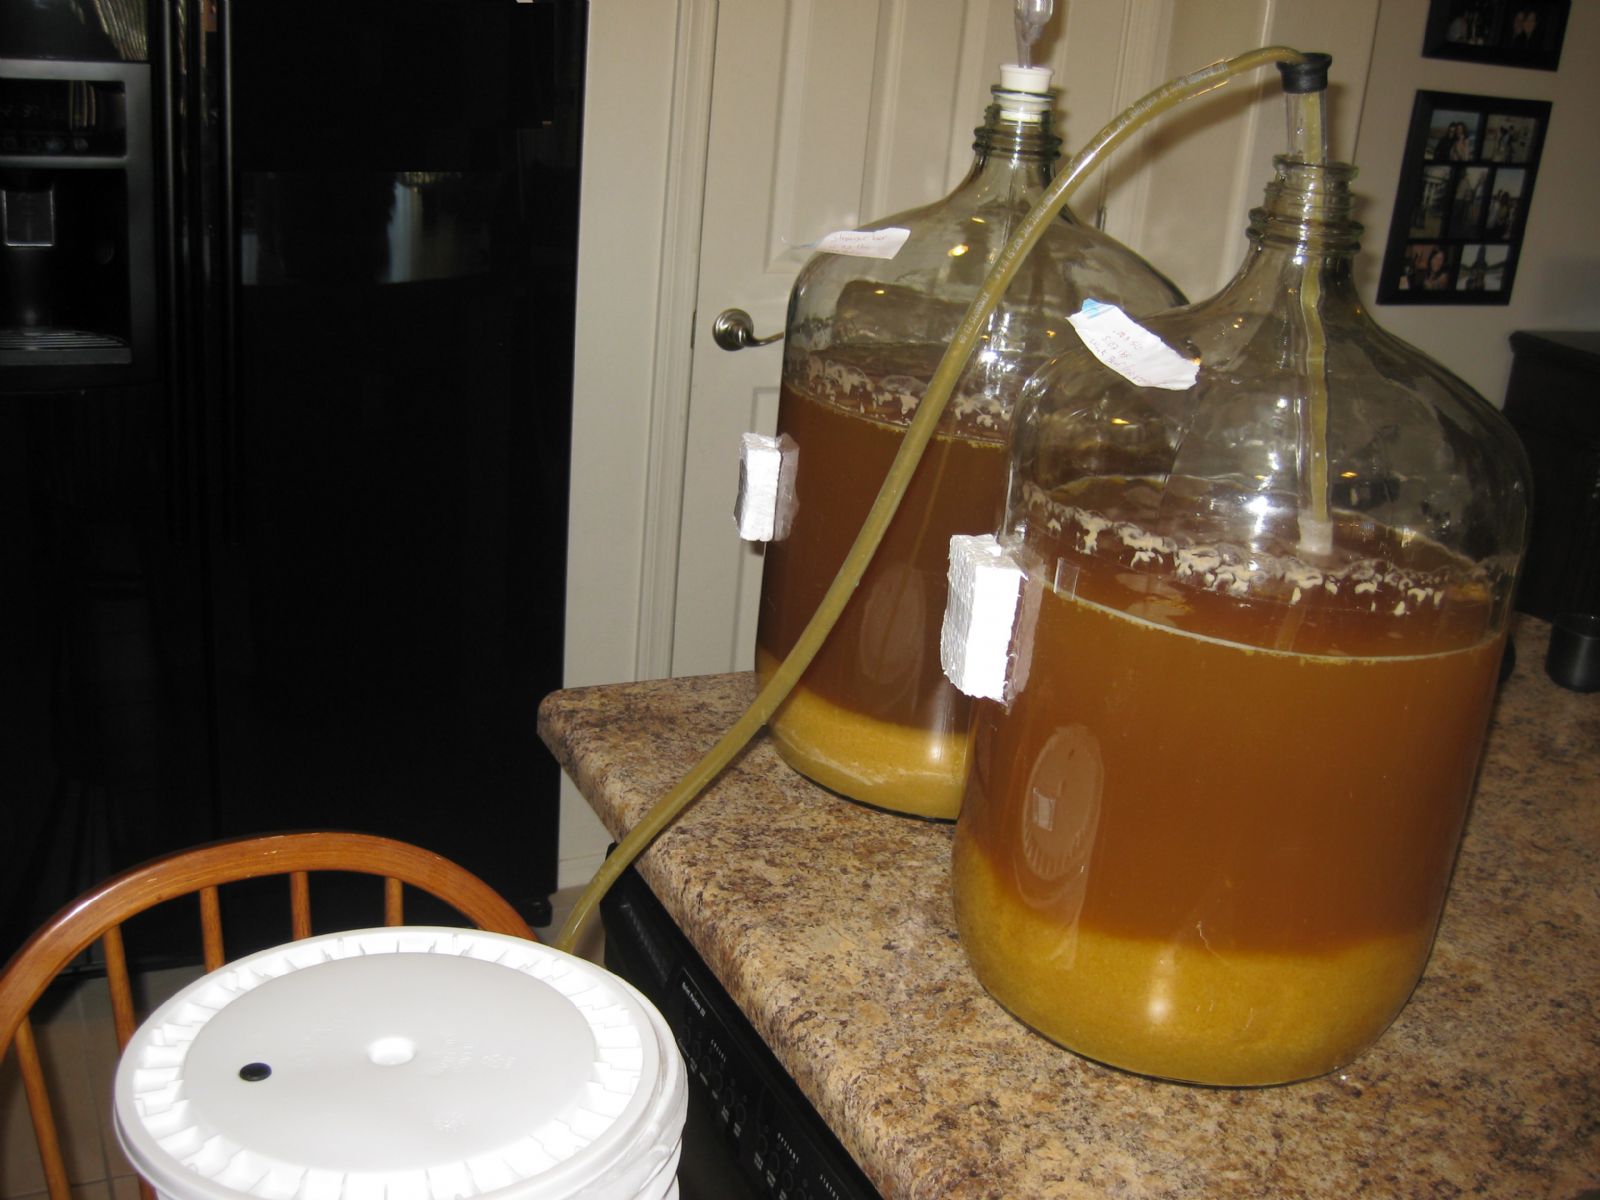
1462 203
1506 33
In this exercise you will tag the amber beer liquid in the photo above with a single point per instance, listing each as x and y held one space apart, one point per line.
874 717
1211 838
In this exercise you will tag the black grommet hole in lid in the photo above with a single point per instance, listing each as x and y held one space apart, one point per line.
254 1072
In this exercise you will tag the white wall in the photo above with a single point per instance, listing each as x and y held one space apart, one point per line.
1557 284
1181 192
1177 194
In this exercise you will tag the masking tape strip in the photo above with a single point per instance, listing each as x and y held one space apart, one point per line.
865 243
1131 350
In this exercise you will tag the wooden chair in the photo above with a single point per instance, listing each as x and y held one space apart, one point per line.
100 913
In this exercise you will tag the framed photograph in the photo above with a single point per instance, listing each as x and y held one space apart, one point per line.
1462 203
1507 33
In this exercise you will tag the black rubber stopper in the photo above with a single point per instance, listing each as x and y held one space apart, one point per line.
254 1072
1308 76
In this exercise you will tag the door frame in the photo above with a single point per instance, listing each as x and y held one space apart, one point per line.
647 113
646 124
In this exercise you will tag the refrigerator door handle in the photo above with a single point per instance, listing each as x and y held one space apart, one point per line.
228 281
183 372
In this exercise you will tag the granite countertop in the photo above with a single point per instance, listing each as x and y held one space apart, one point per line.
831 926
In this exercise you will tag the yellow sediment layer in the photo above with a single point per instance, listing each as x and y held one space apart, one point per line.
1180 1011
890 766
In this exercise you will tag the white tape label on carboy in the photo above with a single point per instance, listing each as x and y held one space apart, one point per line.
980 610
1130 349
865 243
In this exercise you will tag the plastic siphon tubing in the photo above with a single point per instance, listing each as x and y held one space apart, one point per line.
1308 140
917 436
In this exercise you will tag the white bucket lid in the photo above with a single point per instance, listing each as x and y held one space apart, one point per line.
405 1064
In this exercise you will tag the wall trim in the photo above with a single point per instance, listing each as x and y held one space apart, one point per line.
694 59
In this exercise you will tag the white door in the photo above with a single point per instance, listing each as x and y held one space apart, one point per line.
823 114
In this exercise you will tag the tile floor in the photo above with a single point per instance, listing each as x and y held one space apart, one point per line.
79 1049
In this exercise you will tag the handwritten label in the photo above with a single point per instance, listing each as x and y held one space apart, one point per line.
1130 349
865 243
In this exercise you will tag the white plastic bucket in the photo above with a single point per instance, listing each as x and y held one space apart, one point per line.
405 1064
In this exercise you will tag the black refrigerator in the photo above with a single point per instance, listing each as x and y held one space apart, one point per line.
285 387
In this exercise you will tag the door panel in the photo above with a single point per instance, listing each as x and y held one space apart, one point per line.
868 112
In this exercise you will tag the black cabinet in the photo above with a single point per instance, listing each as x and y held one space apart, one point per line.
1553 402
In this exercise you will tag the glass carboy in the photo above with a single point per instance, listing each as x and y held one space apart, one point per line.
874 718
1208 835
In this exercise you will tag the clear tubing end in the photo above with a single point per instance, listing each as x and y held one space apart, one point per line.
1305 94
1031 16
